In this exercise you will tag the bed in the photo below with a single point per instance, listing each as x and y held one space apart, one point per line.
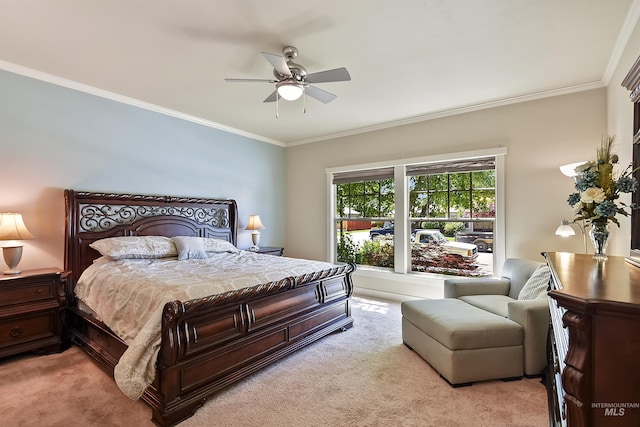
207 343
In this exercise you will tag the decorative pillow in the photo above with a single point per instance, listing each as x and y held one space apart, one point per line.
536 286
189 247
218 245
135 247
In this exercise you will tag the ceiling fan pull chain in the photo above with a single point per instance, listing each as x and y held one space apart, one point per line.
304 101
277 105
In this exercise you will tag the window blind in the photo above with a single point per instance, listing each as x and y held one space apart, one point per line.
467 165
363 175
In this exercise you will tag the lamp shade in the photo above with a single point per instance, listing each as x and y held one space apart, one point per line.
12 227
254 223
570 169
564 229
290 89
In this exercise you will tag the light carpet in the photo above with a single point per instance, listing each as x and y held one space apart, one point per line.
362 377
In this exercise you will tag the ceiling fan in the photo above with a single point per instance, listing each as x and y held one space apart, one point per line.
292 80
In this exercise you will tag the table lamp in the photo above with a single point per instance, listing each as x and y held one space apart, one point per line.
254 224
12 228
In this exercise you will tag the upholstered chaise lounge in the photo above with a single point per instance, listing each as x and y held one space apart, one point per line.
484 328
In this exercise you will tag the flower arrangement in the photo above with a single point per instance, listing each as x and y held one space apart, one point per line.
598 188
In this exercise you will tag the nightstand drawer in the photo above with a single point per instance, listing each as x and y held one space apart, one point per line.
27 328
34 291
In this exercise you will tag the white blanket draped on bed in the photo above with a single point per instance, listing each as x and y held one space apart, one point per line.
129 296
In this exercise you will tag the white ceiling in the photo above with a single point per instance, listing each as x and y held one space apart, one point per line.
409 60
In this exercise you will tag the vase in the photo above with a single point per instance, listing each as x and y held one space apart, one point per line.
599 235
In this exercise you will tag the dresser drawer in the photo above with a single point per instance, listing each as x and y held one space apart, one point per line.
28 328
25 293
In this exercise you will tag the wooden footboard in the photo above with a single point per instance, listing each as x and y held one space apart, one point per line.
210 343
216 346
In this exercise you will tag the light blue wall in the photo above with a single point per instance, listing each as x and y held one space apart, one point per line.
52 138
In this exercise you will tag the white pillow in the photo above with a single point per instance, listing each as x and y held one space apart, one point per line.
218 245
135 247
536 286
189 247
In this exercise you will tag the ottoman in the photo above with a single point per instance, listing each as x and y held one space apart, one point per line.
462 342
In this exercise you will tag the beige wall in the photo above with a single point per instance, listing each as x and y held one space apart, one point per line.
539 136
620 122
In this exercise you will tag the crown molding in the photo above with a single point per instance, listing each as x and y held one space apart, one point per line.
457 111
630 22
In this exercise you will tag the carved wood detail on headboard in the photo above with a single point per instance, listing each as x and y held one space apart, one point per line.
94 216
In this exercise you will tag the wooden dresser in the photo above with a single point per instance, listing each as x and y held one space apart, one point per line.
594 377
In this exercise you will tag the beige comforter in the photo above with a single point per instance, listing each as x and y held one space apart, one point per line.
129 296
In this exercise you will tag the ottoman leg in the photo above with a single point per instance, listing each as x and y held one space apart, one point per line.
456 385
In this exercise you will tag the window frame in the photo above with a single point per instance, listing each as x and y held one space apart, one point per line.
402 264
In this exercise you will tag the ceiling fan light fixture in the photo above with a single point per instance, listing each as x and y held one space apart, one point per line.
290 89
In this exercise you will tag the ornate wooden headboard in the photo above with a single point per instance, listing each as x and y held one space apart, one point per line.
94 216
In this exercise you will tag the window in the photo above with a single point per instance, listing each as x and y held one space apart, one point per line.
451 215
365 202
418 216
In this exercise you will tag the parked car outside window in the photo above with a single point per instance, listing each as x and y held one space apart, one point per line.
482 239
436 237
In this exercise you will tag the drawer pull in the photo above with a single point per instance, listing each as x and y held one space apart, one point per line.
39 291
16 332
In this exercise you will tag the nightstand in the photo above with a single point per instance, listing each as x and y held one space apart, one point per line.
31 311
271 250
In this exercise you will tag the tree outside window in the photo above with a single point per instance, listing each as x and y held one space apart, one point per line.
448 204
361 207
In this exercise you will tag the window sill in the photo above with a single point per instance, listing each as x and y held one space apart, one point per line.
409 285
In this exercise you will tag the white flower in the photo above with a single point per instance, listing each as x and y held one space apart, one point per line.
593 194
577 208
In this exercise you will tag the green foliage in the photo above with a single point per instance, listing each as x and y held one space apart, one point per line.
438 194
429 225
379 254
347 249
451 228
430 196
368 199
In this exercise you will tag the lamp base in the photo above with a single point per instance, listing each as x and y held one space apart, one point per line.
12 257
255 238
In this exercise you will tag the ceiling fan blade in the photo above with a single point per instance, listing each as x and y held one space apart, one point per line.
278 63
319 94
250 80
335 75
272 97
